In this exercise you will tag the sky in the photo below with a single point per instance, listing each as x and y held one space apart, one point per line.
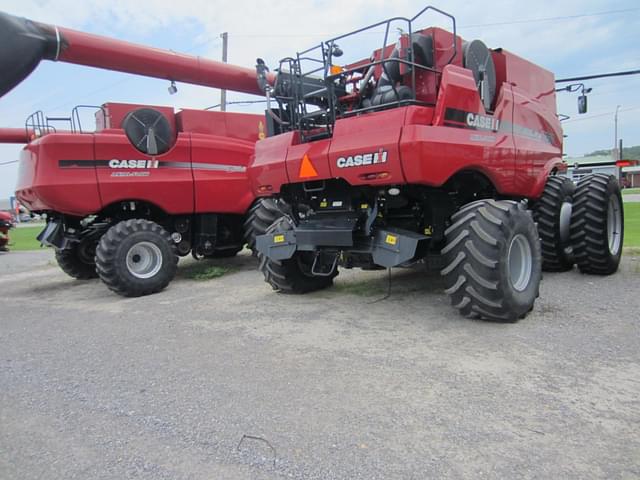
569 38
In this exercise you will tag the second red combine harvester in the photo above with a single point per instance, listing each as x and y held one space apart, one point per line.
149 184
433 147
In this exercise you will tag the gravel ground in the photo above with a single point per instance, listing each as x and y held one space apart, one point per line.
323 386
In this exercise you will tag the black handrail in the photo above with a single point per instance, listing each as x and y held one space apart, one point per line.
293 102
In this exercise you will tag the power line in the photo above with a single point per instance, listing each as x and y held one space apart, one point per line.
549 19
240 102
477 25
597 115
7 163
598 75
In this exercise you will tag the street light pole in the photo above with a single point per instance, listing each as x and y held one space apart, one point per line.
615 141
223 92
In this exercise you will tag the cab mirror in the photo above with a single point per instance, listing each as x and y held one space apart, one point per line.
582 104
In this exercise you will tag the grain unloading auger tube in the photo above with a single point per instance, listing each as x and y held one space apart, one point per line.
14 135
24 43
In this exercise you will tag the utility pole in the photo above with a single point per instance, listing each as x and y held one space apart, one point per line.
223 93
616 154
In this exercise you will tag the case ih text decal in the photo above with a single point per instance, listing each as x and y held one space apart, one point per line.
475 121
144 164
482 122
361 160
117 164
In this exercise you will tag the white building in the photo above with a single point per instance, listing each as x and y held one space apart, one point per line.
581 166
631 176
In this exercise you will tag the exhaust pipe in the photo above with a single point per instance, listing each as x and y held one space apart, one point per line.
24 43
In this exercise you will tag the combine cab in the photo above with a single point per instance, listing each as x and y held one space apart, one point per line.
433 149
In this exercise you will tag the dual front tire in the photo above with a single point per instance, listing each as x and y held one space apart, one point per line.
581 224
552 213
597 225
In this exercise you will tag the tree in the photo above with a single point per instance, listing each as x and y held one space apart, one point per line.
628 153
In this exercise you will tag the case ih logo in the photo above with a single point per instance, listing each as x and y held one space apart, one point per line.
361 160
483 123
142 164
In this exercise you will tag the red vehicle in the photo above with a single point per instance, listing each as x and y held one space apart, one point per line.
6 222
149 184
432 147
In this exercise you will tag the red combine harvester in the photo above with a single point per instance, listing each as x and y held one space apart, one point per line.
149 184
432 148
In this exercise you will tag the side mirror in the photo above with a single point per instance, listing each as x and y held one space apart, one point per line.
261 73
582 104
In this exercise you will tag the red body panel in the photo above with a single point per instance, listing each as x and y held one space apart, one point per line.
242 126
43 185
204 172
515 146
268 170
351 134
432 154
221 183
171 188
316 152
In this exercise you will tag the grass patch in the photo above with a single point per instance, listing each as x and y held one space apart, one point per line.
24 238
632 224
631 191
203 271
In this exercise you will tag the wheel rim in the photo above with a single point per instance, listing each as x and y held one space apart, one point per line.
565 222
144 260
520 262
614 224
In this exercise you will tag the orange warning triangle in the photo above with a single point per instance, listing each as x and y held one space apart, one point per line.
307 170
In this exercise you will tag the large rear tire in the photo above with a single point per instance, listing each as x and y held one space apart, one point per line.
136 257
552 213
597 224
293 275
78 260
261 216
493 260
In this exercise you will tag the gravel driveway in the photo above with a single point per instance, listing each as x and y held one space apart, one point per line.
224 379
